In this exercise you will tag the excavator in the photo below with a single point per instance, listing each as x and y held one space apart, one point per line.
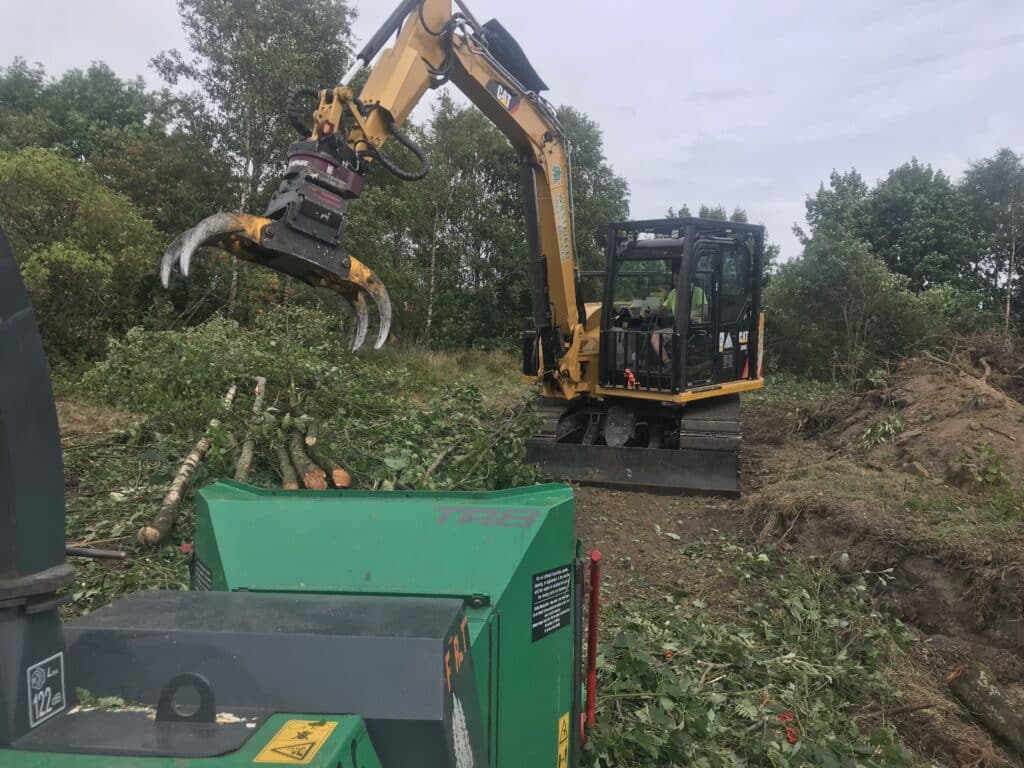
641 384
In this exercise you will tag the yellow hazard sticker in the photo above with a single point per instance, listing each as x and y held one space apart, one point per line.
563 741
296 743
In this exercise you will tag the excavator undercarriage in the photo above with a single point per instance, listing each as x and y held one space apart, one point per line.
658 447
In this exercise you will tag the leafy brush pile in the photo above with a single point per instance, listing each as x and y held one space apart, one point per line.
792 679
394 421
402 418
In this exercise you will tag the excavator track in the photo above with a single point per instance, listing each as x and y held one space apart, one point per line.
696 448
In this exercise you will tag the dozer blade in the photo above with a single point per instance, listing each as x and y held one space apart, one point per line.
705 458
270 243
684 469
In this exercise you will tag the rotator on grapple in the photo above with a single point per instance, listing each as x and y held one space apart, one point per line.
302 232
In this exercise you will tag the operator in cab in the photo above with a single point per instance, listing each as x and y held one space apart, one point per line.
698 315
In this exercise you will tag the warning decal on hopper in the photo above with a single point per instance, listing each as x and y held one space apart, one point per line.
552 600
296 743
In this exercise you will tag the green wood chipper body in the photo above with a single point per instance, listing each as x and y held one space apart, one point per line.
413 625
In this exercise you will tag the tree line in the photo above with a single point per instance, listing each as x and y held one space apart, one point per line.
98 173
913 262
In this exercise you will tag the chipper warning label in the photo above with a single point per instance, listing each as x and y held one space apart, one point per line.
296 743
552 601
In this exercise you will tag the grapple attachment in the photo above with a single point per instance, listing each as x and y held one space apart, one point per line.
301 236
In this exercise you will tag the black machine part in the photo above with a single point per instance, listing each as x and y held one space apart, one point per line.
253 654
31 471
32 566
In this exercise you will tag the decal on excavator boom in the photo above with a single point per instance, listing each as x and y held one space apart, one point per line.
507 98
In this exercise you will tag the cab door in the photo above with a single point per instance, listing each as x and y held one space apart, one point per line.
702 331
734 312
720 313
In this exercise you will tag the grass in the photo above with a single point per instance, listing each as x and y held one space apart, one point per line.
784 390
496 373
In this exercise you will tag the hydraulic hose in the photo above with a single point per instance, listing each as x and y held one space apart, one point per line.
413 147
290 105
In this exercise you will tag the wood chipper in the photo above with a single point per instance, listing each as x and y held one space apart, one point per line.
342 629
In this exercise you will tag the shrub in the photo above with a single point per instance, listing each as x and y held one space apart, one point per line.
88 257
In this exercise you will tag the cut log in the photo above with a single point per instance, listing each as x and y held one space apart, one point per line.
229 398
312 476
312 433
244 464
289 481
1000 712
340 477
158 530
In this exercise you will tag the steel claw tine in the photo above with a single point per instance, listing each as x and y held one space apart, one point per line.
376 290
365 281
213 230
358 305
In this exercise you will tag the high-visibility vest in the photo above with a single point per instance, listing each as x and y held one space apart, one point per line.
698 301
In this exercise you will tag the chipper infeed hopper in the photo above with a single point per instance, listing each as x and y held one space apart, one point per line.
336 629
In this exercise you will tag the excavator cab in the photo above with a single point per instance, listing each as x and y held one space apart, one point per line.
678 337
681 304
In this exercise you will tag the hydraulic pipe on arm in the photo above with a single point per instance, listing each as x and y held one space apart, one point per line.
433 46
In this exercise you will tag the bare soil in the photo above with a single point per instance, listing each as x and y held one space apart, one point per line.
906 512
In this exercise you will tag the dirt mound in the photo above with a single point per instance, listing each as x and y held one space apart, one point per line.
934 419
915 490
952 583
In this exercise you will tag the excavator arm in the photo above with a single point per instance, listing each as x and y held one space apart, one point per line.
302 232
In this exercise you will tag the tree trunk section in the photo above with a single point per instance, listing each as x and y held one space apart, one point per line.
162 523
312 434
340 477
312 476
160 527
978 691
243 203
289 481
244 464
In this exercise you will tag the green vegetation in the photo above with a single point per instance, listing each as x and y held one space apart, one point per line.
882 431
400 419
901 267
376 417
793 674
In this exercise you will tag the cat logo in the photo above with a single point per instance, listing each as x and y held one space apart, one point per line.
505 97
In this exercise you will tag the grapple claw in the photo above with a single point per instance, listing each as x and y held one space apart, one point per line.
358 305
273 243
229 231
366 280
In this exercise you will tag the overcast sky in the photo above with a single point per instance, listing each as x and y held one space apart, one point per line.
734 101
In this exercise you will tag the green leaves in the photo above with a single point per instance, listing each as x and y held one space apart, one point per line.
783 683
409 419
